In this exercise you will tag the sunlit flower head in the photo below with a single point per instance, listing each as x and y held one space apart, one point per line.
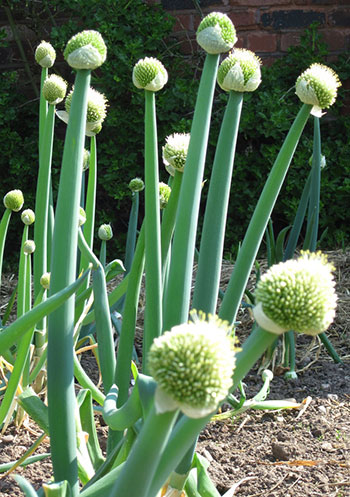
86 50
149 74
14 200
298 295
193 365
164 194
240 71
105 232
136 185
45 54
54 89
175 152
28 217
216 34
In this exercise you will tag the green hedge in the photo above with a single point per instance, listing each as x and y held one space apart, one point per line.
132 30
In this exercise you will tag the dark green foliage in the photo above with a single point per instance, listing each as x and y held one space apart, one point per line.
132 30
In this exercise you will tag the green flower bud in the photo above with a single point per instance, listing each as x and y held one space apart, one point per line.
82 216
14 200
164 194
86 50
105 232
45 280
216 33
136 185
175 152
193 366
240 71
318 86
297 295
149 74
54 89
29 247
86 159
45 54
28 217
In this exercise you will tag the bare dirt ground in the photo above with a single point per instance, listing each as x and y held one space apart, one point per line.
302 452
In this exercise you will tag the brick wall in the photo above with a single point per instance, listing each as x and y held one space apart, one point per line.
268 27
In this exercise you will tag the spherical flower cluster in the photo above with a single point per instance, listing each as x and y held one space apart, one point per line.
149 74
193 365
105 232
14 200
136 185
45 280
45 54
164 195
216 34
28 217
86 50
240 71
54 89
175 152
29 247
297 295
318 86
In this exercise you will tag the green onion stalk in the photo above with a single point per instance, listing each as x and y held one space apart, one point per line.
149 74
215 34
60 356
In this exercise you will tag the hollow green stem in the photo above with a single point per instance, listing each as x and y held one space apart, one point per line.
259 220
43 107
314 201
153 282
213 232
177 299
61 395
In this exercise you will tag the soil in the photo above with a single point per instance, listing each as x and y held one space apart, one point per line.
291 453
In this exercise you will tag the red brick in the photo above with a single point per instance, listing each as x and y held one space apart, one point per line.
260 3
243 18
335 38
289 40
262 42
184 22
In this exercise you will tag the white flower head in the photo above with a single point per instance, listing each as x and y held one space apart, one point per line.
54 89
14 200
149 74
193 365
318 86
86 50
175 152
105 232
240 71
216 34
45 54
28 217
297 295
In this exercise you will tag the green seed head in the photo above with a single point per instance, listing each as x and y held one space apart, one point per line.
14 200
105 232
45 280
175 152
240 71
164 194
45 54
29 247
54 89
82 216
149 74
96 107
86 50
136 185
193 366
216 34
318 86
297 295
28 217
86 159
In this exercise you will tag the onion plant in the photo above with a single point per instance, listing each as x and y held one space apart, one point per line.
191 363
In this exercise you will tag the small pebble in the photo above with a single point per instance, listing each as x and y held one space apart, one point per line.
332 396
327 446
322 409
7 438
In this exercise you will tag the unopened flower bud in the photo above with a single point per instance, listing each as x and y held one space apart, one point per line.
175 152
323 162
82 216
45 280
216 34
164 195
193 365
240 71
149 74
14 200
86 50
29 247
86 159
105 232
54 89
318 86
28 217
45 54
136 185
297 295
